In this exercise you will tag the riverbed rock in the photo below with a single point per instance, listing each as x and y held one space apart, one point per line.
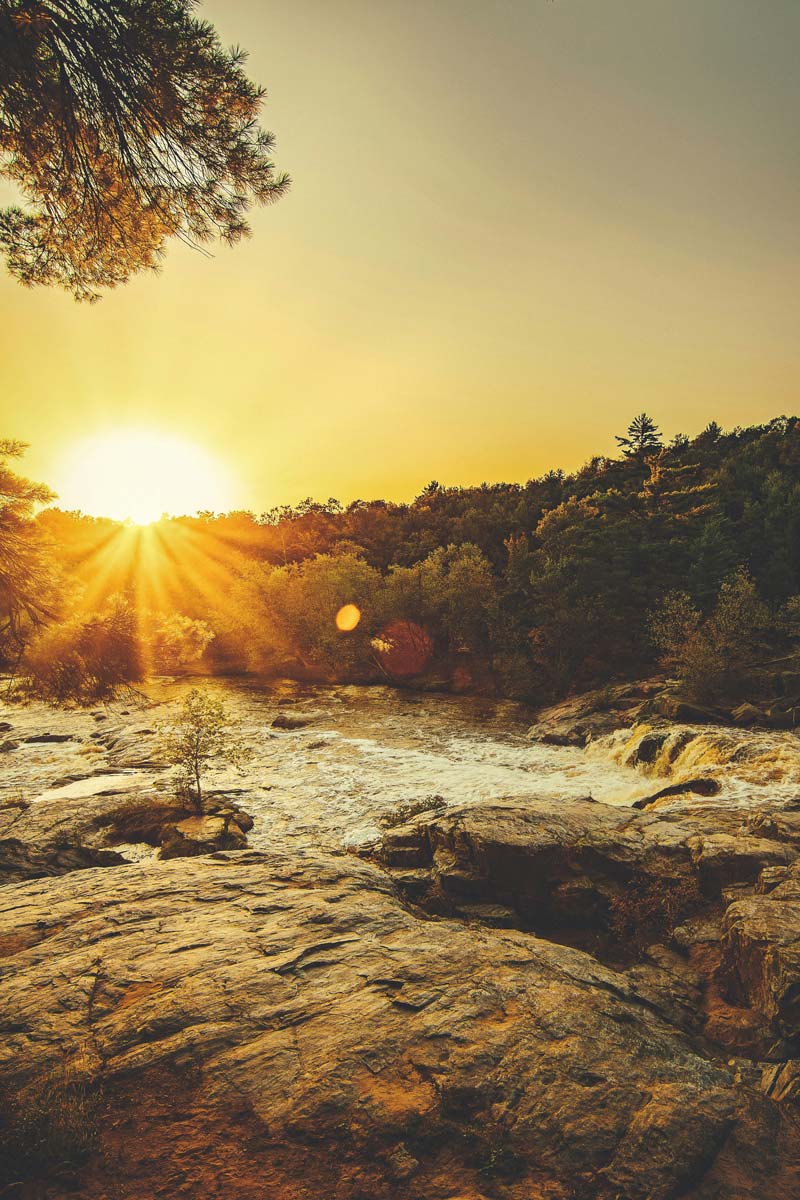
70 830
203 834
702 786
761 959
678 708
580 865
19 861
295 720
282 1027
747 714
130 746
579 719
779 717
46 738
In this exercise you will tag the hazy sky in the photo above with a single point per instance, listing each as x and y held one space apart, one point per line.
513 225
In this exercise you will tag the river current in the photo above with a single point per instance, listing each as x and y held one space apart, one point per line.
364 751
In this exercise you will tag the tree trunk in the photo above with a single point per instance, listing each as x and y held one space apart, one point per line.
197 783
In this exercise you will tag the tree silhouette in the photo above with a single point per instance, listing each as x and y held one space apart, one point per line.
122 123
643 437
24 571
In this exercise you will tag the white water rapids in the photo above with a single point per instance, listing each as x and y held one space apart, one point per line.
366 750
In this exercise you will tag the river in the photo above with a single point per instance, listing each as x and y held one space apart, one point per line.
364 751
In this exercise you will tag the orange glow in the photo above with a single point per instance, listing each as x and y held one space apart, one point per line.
347 618
158 565
138 475
403 648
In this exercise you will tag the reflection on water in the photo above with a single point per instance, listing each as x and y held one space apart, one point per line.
363 751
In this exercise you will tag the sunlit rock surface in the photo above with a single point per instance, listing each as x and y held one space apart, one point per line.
99 828
282 1026
530 997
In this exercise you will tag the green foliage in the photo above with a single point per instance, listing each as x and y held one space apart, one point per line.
539 588
712 657
789 617
450 592
86 657
174 641
202 734
285 617
123 124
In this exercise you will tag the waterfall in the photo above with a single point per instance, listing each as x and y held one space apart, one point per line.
742 760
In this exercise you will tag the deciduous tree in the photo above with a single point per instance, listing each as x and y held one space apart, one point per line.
203 733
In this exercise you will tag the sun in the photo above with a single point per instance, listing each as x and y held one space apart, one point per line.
139 475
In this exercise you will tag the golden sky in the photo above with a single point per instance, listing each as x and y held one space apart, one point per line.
513 226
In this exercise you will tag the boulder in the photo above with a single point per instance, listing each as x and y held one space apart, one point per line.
648 748
779 717
578 719
747 714
702 786
281 1027
203 835
676 708
295 720
573 735
723 859
583 865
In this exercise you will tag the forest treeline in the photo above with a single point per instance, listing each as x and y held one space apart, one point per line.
685 554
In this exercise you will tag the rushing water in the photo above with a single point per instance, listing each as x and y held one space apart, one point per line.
365 750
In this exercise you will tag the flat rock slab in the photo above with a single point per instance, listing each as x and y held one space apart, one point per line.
282 1027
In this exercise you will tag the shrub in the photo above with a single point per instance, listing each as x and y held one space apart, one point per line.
174 641
712 656
90 657
49 1127
647 910
86 658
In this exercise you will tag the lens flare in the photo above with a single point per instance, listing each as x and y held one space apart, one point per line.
347 618
403 648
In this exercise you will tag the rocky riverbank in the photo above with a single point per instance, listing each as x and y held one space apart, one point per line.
52 837
498 1000
283 1026
508 1002
579 719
